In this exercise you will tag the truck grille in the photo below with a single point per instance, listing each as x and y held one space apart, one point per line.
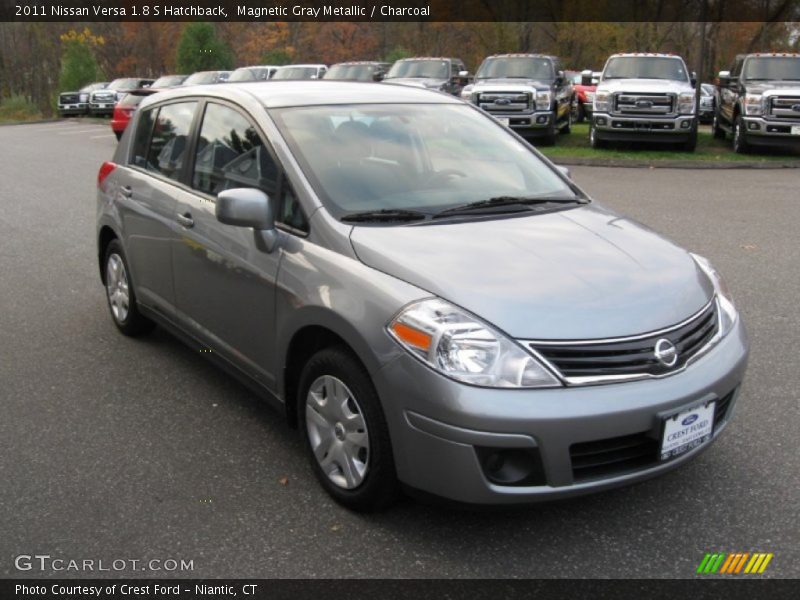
631 104
628 453
505 102
104 97
630 358
785 107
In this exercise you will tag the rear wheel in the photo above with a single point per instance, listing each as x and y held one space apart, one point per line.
345 431
740 145
120 294
568 127
580 113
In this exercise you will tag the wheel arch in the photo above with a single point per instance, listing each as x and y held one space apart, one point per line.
105 236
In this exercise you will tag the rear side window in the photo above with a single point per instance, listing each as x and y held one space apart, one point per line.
168 144
144 128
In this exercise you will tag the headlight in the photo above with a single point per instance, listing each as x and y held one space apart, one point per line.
466 92
727 310
752 104
590 96
83 97
601 100
463 348
686 104
543 99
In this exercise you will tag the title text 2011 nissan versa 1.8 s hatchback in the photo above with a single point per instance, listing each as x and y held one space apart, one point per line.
429 300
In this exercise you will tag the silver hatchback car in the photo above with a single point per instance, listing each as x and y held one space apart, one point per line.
430 301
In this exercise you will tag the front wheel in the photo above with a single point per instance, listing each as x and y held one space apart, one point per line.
740 145
719 132
690 144
345 431
594 141
568 127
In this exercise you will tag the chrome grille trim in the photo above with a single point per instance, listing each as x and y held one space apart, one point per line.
633 104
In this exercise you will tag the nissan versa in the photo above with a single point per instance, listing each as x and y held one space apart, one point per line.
433 304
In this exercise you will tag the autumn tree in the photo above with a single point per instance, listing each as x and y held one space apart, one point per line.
199 49
78 64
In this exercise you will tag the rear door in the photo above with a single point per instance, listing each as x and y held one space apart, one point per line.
149 189
224 282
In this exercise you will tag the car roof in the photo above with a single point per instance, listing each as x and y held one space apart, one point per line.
316 66
522 55
278 94
651 54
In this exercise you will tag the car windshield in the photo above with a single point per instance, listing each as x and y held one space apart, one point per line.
124 84
295 73
243 74
645 67
412 157
168 81
351 72
422 69
777 68
200 78
93 86
515 67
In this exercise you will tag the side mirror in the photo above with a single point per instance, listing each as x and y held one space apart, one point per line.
586 77
724 77
248 207
564 171
378 76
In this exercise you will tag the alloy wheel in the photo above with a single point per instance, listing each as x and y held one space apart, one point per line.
117 287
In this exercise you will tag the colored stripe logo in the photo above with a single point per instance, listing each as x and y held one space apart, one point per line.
735 563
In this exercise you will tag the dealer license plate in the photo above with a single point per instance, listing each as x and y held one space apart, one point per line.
504 121
686 430
795 130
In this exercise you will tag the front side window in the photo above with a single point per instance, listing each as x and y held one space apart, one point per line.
231 154
168 143
421 157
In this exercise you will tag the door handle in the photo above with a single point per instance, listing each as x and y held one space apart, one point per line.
186 220
126 191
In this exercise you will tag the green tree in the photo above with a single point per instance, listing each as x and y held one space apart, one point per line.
78 64
397 53
276 57
199 49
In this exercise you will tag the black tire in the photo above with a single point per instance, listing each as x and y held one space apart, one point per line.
740 145
719 132
568 127
691 144
379 487
594 141
133 323
580 113
118 134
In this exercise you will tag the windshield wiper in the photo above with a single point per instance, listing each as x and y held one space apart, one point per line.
521 202
385 215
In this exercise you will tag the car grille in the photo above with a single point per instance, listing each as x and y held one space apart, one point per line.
785 107
630 358
628 453
505 102
69 98
644 104
104 97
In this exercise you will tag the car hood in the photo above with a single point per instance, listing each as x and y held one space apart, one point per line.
510 84
645 86
765 86
423 82
575 274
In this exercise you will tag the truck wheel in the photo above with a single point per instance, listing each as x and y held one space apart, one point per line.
346 435
740 145
594 141
719 132
568 127
580 114
690 144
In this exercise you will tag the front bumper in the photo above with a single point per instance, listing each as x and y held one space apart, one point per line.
763 132
530 124
442 430
80 108
648 129
101 108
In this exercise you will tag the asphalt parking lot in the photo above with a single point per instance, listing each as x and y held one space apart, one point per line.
112 448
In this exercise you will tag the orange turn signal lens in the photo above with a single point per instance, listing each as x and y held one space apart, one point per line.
412 337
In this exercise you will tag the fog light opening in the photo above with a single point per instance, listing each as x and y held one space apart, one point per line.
512 466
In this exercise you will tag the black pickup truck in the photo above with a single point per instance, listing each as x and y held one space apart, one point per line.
758 101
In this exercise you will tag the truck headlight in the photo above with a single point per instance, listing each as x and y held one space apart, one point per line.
727 310
686 103
601 100
83 97
590 96
543 99
460 346
752 104
466 92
